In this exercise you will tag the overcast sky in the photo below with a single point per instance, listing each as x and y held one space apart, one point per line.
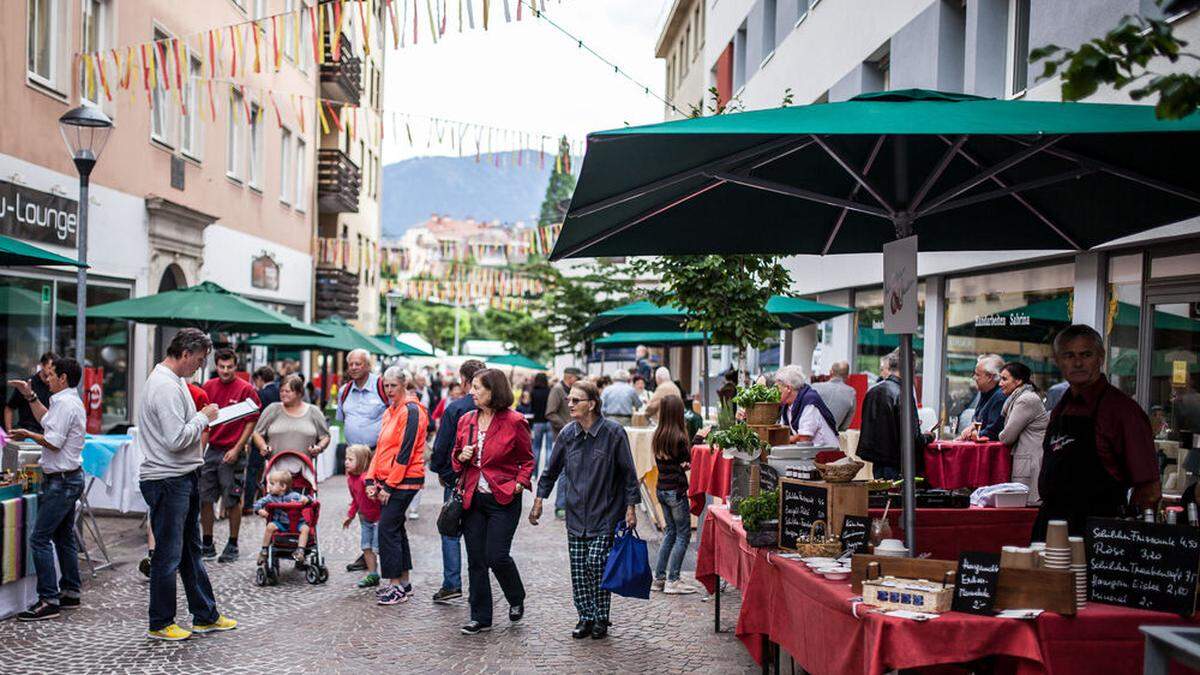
527 75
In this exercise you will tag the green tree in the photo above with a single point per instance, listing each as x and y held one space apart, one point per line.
569 303
526 334
431 321
1121 58
560 188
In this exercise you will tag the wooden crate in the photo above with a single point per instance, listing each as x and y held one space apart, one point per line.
841 500
772 434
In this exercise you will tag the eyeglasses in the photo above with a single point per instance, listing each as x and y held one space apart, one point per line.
576 401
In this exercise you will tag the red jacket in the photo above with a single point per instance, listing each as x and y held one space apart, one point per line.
507 457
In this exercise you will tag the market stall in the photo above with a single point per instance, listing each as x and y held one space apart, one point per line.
18 582
966 464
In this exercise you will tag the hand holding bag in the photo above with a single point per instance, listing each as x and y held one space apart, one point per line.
450 518
627 572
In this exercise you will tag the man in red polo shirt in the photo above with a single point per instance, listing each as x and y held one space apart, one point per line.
1098 445
224 471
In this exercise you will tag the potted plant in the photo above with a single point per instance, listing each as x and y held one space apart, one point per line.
760 518
738 441
760 402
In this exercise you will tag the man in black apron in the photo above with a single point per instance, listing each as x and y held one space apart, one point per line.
1098 444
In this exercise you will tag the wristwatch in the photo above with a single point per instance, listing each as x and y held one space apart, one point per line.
31 398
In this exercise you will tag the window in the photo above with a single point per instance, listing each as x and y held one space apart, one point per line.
288 23
42 38
260 9
801 10
1123 321
768 28
739 59
682 58
164 110
191 140
699 24
301 201
871 342
1018 30
671 74
256 142
94 21
233 136
106 345
286 180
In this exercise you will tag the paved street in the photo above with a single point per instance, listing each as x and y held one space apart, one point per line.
296 627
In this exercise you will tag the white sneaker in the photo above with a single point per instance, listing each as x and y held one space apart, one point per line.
678 587
413 515
657 584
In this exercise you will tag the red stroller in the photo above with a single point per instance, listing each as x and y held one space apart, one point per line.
284 544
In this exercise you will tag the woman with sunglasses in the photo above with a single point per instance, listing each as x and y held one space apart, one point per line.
602 489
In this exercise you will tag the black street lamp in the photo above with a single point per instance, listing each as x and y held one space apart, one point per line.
85 130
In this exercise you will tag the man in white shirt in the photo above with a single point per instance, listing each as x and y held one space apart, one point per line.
802 409
63 427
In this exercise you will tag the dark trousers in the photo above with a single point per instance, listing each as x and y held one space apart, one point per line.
255 463
395 557
175 520
488 529
54 536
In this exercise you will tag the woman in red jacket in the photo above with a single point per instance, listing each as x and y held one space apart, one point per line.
493 454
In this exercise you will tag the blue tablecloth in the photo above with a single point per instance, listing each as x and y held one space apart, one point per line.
98 453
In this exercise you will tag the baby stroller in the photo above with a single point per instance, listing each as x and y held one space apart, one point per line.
284 544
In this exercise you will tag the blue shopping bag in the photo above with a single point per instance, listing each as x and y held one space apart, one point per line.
627 571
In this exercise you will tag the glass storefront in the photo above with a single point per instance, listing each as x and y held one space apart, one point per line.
871 342
1173 366
1015 314
1122 318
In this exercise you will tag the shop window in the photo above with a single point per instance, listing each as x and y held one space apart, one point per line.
26 318
1122 320
1015 314
871 342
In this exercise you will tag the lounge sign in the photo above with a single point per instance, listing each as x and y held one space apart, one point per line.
33 215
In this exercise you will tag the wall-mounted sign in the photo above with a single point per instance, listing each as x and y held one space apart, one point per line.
900 286
264 272
33 215
992 320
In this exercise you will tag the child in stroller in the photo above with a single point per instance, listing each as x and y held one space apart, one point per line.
292 513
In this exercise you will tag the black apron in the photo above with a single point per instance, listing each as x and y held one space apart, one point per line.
1074 483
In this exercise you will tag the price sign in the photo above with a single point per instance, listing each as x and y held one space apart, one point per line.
799 507
975 588
855 533
1143 565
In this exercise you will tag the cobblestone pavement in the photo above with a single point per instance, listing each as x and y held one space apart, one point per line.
295 627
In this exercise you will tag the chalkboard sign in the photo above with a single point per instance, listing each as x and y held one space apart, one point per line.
768 478
855 533
799 507
975 587
1142 565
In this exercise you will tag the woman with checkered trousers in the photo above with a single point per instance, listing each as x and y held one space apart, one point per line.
602 489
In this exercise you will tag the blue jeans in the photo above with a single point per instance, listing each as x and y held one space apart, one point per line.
175 520
543 437
54 533
677 536
451 555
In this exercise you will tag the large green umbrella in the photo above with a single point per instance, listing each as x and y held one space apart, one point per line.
17 301
665 338
206 306
16 253
401 346
647 316
963 172
516 361
340 337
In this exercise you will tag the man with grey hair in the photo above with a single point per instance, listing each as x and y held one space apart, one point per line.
839 396
802 410
1098 443
882 424
361 403
620 399
988 403
665 388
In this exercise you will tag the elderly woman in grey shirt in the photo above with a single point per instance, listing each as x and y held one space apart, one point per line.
291 424
1025 419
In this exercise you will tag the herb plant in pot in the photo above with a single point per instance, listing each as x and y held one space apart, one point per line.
742 445
761 404
760 519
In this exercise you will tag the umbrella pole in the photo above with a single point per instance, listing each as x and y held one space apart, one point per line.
704 378
907 460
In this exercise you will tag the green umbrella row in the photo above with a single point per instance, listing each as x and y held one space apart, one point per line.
665 338
339 336
647 316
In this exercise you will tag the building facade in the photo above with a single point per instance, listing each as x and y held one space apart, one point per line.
190 188
1142 293
681 47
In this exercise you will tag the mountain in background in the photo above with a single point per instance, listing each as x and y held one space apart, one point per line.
460 187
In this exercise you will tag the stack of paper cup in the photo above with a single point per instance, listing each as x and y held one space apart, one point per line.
1079 567
1058 546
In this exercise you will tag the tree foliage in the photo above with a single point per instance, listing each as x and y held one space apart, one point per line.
559 189
521 330
431 321
1121 58
570 302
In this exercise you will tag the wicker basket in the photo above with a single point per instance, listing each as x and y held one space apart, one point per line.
839 473
762 414
825 546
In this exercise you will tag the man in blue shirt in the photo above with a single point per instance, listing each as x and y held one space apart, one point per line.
989 402
361 404
439 462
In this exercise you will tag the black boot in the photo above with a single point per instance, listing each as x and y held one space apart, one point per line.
582 630
358 565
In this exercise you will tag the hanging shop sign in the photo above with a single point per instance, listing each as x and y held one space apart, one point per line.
264 273
33 215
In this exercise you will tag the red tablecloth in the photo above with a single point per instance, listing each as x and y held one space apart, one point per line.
953 464
945 533
709 476
811 619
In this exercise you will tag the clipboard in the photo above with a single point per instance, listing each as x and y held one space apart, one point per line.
235 412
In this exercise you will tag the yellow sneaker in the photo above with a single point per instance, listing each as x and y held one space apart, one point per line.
221 624
172 633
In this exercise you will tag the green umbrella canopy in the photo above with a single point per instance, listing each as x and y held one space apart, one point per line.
401 346
647 316
16 253
516 360
667 338
964 172
17 301
206 306
342 337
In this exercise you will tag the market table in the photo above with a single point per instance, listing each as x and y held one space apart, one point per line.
966 464
710 473
112 463
641 446
18 580
945 533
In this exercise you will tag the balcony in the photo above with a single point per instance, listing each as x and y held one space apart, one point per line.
339 181
341 80
337 293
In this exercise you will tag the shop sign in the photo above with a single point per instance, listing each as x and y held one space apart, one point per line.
264 272
994 320
900 286
33 215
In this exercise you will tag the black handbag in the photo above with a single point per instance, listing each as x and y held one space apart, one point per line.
449 522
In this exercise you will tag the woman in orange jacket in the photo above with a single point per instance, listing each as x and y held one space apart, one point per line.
395 476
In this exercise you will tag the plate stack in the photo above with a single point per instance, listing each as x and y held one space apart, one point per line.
1058 546
1079 567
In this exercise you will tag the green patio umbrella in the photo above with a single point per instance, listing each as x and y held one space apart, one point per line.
647 316
16 253
17 301
401 346
965 173
340 337
206 306
516 361
665 338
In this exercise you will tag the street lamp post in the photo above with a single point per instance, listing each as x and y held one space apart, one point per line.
85 130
